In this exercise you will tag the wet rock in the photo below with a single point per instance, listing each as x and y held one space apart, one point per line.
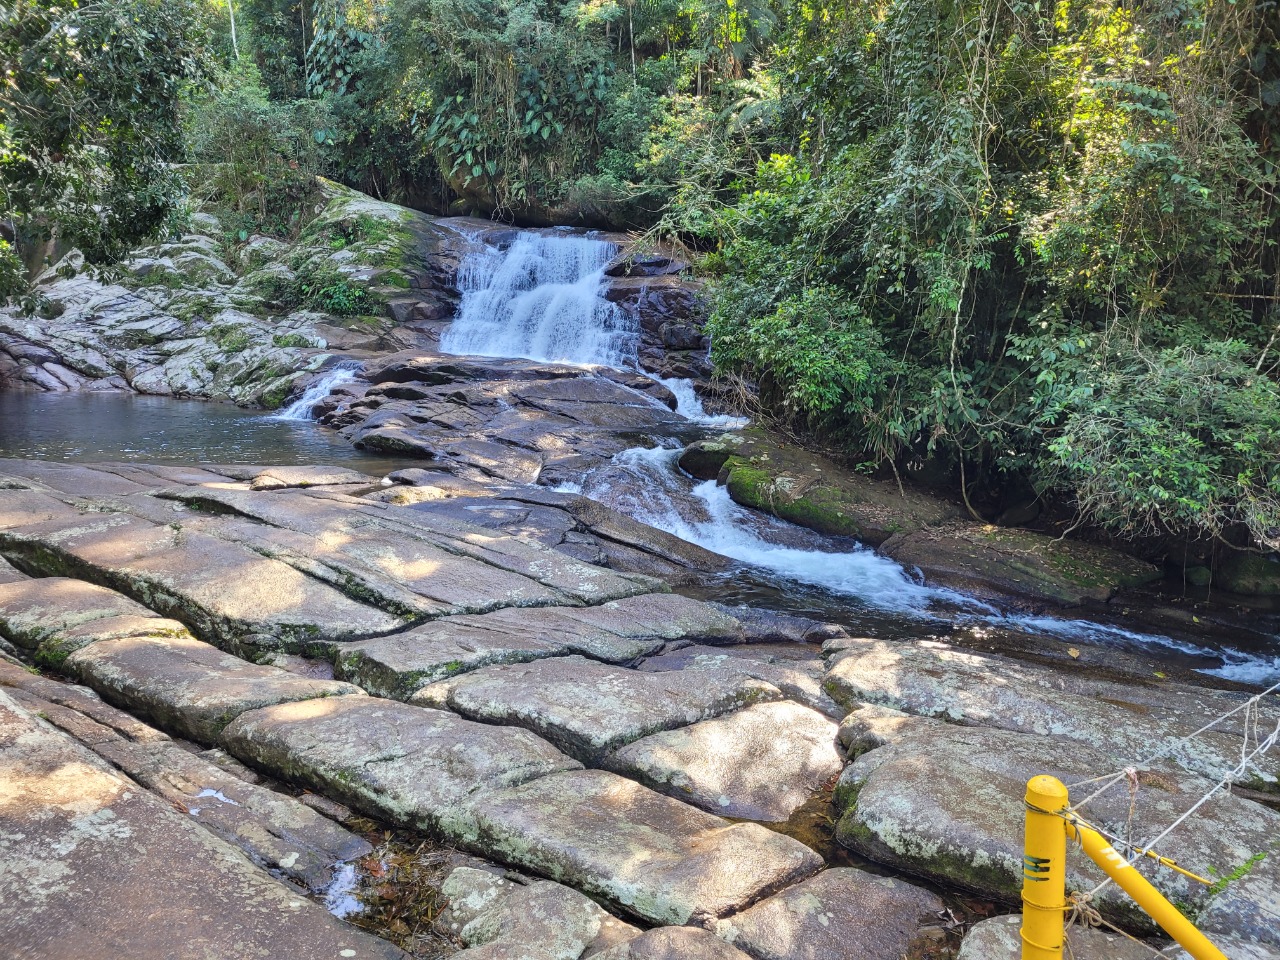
999 562
407 765
946 802
769 626
587 708
999 939
93 863
188 687
500 918
811 491
654 857
837 914
1129 718
674 943
760 763
616 632
1249 573
704 459
644 265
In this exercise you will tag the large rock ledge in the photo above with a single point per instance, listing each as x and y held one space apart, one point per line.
92 862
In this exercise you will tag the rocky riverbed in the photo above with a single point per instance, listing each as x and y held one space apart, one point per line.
210 673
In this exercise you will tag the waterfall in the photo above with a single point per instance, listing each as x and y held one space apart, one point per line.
318 389
542 299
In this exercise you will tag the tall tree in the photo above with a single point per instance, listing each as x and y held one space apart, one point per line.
89 120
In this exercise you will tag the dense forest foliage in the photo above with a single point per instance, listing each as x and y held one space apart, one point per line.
1029 244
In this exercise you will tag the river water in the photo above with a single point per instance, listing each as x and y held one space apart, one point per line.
541 298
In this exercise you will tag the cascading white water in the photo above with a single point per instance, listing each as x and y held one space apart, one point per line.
689 406
542 299
702 513
647 484
317 390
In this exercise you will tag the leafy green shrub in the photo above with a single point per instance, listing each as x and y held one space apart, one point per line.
1186 439
292 340
327 290
257 159
230 337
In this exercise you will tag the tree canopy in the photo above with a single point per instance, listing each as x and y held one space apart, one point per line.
1030 243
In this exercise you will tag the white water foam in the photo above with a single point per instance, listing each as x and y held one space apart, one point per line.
659 494
689 405
318 389
541 299
713 521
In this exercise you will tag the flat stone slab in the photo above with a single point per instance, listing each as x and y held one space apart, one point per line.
587 708
94 868
188 687
76 709
275 830
656 858
946 802
760 763
223 590
416 767
10 574
616 632
673 943
34 610
838 914
499 917
999 939
799 677
1129 719
281 478
463 567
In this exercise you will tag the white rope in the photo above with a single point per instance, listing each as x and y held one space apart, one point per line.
1246 759
1251 708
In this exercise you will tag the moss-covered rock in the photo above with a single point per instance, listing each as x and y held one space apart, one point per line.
811 491
208 316
704 459
1001 562
1252 574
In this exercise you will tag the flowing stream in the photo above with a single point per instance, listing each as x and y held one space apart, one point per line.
542 298
303 408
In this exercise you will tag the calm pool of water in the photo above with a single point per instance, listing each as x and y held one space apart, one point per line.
88 427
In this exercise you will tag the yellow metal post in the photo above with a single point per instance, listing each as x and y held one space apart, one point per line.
1044 870
1144 894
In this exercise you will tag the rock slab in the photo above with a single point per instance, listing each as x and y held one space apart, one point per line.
92 863
651 856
